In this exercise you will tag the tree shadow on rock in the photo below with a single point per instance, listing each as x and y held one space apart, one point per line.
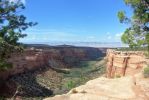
25 85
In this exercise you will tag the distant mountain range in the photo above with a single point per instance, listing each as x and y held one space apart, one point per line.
82 44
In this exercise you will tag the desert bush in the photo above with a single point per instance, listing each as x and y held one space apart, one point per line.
146 53
2 98
117 76
146 72
132 49
82 78
5 65
70 84
74 91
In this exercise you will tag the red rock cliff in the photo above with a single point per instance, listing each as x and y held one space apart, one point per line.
124 63
32 59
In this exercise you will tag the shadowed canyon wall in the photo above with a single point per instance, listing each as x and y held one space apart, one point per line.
62 57
123 63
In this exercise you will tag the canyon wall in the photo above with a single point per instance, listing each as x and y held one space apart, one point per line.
119 63
62 57
123 63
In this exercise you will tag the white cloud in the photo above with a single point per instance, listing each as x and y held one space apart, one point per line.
108 33
118 36
45 35
109 37
15 1
40 30
90 37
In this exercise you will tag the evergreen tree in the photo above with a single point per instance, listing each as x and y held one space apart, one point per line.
11 26
137 34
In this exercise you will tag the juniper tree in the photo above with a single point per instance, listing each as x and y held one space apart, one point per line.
12 23
137 34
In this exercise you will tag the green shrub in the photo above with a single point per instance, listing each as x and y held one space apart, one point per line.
117 76
5 65
146 53
2 98
146 72
70 84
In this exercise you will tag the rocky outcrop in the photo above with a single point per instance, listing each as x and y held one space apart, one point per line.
124 63
125 88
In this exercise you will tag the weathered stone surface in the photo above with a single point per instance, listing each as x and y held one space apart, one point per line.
120 62
125 88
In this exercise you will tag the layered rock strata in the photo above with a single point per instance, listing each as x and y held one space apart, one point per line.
124 63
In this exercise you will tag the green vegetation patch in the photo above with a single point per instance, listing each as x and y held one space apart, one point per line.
146 72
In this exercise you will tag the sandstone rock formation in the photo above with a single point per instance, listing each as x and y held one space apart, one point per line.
124 63
125 88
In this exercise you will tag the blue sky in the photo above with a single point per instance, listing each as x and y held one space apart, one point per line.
74 20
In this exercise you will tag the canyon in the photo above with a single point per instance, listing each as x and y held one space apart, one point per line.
59 57
123 80
57 71
42 71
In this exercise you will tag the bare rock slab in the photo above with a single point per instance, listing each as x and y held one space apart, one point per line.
102 89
